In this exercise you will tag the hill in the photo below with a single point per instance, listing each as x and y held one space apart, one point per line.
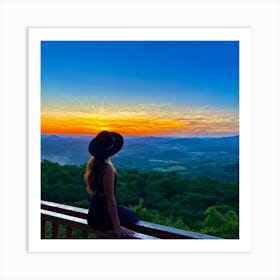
216 158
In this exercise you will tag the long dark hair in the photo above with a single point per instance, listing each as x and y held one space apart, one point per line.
94 173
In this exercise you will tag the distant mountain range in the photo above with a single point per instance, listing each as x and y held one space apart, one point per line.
194 157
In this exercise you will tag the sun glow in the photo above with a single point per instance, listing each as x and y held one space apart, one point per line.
149 119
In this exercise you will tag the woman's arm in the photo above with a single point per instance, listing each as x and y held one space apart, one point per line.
108 186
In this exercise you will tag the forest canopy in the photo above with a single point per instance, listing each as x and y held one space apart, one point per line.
202 205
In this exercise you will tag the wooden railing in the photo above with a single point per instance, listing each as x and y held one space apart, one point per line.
75 218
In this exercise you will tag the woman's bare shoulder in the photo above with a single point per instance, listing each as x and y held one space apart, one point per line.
109 170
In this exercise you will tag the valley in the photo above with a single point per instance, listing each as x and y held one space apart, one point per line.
215 158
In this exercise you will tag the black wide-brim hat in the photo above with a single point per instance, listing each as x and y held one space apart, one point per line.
105 144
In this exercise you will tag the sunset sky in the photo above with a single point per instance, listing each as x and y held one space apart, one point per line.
156 88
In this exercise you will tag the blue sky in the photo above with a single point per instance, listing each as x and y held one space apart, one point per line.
194 74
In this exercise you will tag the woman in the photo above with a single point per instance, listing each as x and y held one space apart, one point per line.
101 180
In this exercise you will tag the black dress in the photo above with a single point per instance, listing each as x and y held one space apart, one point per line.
98 216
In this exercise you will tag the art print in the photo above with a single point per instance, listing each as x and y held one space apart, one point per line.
177 99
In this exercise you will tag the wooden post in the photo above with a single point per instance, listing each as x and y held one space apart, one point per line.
84 234
43 229
54 230
68 232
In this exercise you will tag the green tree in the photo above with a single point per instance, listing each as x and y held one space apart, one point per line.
222 225
200 204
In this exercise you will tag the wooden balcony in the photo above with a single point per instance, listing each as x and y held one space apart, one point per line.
75 218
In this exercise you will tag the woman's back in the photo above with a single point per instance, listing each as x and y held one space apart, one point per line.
101 179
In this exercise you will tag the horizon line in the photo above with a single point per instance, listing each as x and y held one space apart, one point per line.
142 136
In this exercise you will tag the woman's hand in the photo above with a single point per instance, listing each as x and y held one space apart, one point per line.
123 232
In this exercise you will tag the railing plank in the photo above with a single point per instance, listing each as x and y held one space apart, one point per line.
79 223
166 232
142 227
64 209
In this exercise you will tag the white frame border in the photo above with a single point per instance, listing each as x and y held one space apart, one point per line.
244 36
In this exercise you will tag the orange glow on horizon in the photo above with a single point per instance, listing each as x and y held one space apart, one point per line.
144 126
136 127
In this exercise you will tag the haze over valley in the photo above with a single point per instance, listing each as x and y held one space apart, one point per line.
216 158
